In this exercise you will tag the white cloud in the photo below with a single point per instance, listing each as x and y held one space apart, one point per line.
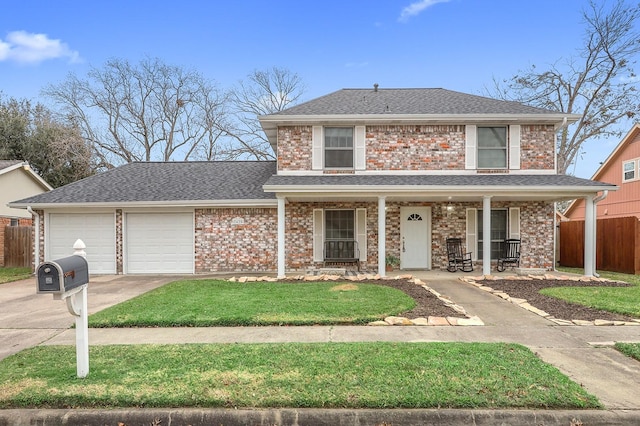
24 47
416 8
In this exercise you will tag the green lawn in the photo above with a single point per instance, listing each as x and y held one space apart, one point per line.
621 300
14 274
629 349
322 375
202 303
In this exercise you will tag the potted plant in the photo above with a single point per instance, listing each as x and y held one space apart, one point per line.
391 262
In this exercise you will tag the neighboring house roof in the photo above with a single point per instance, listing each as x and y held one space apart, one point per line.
537 186
7 166
408 105
165 183
608 163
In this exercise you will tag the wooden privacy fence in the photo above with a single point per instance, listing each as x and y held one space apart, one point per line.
617 244
18 251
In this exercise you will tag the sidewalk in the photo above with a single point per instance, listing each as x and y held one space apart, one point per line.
581 352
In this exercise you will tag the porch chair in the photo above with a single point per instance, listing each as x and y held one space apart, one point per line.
458 259
511 254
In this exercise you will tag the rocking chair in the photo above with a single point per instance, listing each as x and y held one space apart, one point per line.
510 256
458 259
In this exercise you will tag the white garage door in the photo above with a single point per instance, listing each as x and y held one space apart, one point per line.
159 243
98 232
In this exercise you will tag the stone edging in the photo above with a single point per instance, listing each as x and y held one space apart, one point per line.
524 304
391 320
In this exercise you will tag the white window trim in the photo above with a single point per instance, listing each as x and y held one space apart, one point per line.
636 169
353 148
506 147
513 227
319 232
513 147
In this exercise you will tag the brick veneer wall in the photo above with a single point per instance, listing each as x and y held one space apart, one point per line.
536 231
415 147
119 244
537 147
448 220
238 240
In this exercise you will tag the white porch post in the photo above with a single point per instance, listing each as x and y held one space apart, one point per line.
486 235
281 248
382 236
589 236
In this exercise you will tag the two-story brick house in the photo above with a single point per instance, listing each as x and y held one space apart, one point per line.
396 170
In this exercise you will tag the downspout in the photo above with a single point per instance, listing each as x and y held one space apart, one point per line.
595 224
36 255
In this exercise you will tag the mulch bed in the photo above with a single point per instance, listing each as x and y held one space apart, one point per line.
530 290
426 303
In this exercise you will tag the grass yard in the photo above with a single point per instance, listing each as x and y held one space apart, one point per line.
14 274
321 375
624 300
202 303
629 349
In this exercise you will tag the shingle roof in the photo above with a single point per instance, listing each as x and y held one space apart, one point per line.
407 101
167 182
334 182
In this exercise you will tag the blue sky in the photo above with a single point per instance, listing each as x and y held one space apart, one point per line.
455 44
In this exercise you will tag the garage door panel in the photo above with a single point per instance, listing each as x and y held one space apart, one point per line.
96 230
159 243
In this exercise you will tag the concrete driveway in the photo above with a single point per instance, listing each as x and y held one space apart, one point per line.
28 319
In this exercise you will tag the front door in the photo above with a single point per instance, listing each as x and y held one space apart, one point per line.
415 238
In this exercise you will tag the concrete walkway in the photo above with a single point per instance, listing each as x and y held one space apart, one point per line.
583 353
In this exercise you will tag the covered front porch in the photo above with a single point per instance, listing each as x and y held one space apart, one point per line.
412 222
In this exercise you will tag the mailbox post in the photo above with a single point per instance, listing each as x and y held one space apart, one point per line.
67 279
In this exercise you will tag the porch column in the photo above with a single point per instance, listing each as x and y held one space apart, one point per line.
281 248
486 235
382 236
589 236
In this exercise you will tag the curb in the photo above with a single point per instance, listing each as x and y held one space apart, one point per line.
317 417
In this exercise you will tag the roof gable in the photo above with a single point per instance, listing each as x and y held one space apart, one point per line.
610 167
8 166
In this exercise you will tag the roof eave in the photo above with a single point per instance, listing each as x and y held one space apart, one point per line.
154 204
441 189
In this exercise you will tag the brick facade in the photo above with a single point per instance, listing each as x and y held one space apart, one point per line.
416 147
236 239
447 220
537 147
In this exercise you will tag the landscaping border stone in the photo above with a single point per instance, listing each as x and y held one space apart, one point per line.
526 305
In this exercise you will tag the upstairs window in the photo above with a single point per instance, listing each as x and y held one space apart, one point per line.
492 147
338 147
629 170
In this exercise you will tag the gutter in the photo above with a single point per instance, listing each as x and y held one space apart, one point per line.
36 249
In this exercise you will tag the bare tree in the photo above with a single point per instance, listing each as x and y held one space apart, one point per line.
149 111
263 92
55 149
599 82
